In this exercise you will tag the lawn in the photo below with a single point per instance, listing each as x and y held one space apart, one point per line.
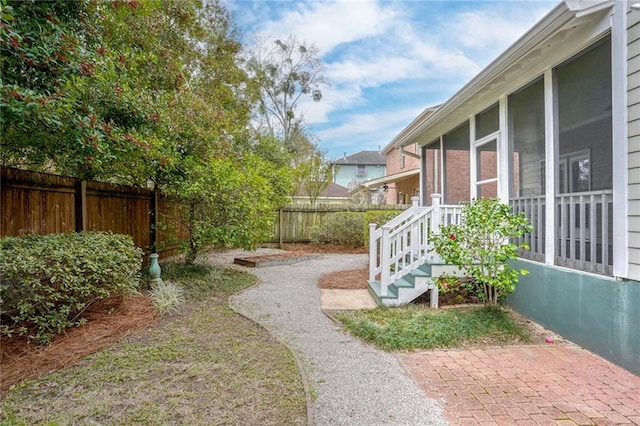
414 327
205 365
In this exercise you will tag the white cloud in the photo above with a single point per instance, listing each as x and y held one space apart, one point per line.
329 24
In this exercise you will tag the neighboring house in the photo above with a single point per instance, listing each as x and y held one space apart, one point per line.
401 181
552 126
363 166
332 194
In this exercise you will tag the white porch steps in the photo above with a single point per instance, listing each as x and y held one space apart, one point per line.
412 285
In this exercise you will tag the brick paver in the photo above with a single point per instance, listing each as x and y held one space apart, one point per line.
533 384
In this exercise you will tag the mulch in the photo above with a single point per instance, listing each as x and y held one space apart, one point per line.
107 322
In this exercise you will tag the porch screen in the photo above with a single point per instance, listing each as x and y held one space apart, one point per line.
526 112
584 117
527 148
457 158
584 207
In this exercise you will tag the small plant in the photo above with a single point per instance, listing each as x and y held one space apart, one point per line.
167 296
480 246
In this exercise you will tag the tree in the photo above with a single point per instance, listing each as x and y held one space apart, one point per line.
313 176
235 206
137 91
286 71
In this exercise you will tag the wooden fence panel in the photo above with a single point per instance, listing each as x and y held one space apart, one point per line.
297 222
36 203
41 203
121 210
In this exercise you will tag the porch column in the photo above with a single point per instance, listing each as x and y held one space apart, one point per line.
550 158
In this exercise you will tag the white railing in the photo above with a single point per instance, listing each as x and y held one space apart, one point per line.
533 208
584 239
402 245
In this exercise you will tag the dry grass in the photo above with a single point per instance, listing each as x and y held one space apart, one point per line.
203 366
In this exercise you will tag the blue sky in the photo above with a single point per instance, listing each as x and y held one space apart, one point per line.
387 60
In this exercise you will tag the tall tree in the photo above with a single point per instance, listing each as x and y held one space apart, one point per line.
286 71
132 91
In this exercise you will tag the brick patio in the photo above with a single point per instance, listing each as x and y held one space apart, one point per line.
526 385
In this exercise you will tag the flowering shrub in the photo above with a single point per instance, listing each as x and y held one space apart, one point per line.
480 246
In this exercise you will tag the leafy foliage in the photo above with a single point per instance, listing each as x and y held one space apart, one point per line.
379 217
49 281
480 246
235 206
342 228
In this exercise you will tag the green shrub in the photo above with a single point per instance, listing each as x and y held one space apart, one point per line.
379 217
48 281
342 228
480 247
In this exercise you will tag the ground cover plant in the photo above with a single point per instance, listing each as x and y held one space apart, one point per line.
414 327
202 365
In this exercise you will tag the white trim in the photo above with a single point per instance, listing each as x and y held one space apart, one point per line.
503 151
473 158
551 158
619 140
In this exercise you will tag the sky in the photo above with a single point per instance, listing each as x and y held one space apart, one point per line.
387 60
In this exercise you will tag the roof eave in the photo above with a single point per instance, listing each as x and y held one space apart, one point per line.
546 27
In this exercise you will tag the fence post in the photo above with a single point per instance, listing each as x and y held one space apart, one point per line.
373 252
280 226
436 217
81 206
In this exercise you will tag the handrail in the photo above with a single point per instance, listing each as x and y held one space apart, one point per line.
402 245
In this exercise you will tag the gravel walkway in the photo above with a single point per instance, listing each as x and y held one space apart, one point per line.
351 383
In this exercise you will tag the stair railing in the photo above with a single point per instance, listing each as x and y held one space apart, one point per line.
402 245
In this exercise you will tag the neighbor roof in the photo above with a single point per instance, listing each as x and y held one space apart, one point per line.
333 190
362 158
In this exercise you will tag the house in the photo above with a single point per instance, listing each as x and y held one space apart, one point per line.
332 194
401 181
363 166
551 126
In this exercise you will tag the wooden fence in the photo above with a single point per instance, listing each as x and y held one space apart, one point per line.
40 203
295 222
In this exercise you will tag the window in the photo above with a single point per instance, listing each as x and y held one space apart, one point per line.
487 122
361 170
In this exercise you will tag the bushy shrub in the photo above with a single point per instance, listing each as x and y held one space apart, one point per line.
342 228
480 247
48 281
379 217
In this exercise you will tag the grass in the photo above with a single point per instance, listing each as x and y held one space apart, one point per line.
203 366
413 327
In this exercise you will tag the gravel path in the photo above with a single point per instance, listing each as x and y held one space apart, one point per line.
351 383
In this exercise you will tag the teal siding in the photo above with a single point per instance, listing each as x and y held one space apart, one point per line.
597 313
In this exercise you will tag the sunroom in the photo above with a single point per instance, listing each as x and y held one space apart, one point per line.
538 133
